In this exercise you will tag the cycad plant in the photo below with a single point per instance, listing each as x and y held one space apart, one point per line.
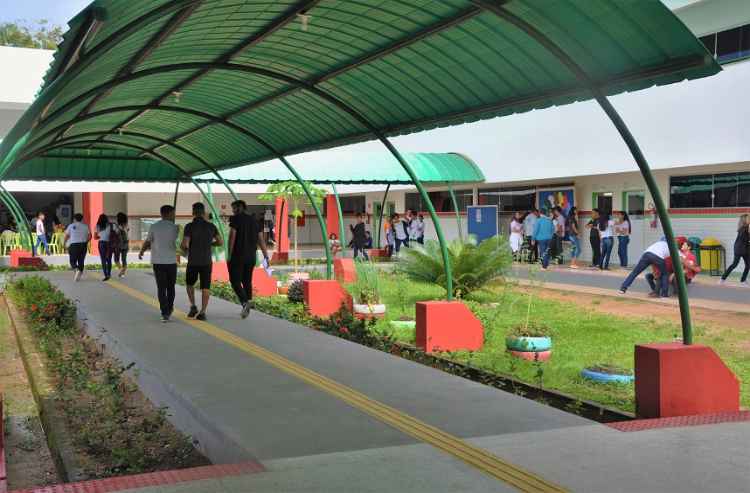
472 265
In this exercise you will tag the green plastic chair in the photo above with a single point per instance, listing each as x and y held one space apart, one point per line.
56 244
16 242
7 244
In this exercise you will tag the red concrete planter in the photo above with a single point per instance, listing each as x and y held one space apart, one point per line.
30 261
280 256
263 284
447 326
343 270
378 253
18 254
324 297
673 379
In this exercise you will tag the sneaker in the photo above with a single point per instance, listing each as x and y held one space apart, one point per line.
622 290
201 316
77 275
122 273
164 319
745 283
651 294
574 267
721 281
665 297
106 278
193 312
246 309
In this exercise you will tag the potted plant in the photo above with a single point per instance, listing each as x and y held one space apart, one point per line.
525 341
368 290
608 373
282 282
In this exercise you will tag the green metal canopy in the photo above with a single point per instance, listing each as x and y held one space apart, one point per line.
204 84
358 168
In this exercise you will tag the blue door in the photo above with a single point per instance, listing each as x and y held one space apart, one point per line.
482 221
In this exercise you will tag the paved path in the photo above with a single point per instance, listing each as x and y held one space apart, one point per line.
317 413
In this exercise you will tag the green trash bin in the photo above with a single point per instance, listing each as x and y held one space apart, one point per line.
711 255
697 252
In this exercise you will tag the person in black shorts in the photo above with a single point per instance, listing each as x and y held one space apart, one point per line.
197 240
245 236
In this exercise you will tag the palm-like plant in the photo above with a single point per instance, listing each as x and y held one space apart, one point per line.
472 265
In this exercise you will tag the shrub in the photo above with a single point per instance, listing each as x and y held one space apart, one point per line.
369 286
294 294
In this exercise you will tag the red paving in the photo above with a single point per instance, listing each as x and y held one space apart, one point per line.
153 479
696 420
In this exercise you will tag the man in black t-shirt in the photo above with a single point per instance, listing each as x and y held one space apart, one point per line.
197 240
245 236
595 239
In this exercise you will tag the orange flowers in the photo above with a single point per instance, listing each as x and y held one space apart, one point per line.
39 295
33 307
338 320
315 327
343 329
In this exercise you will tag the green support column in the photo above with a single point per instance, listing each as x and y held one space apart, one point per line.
17 212
217 221
382 211
496 8
455 206
176 189
341 221
9 203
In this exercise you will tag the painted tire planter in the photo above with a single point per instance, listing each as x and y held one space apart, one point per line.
530 355
403 324
528 344
606 377
365 309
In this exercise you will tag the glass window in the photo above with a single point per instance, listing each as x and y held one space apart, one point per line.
731 44
743 189
719 190
353 204
520 198
725 190
441 201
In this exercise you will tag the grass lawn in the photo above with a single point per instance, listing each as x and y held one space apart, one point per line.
584 334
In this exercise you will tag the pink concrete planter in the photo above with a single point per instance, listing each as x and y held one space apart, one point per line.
447 326
343 270
324 297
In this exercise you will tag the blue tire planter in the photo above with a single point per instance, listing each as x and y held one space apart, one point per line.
528 343
605 377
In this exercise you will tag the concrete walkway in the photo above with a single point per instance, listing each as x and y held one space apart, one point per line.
316 413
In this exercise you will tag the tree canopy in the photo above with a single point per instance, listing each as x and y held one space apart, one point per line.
40 35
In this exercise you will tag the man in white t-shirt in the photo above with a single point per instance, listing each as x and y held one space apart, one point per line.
41 234
413 228
402 235
162 239
79 234
654 255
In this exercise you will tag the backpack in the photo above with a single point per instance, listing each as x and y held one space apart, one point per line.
123 242
112 240
405 225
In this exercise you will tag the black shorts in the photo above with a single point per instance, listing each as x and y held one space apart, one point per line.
193 271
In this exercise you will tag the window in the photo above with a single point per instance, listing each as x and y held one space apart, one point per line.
349 205
520 198
441 201
729 45
719 190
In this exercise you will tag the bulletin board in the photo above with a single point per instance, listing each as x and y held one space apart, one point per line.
548 198
482 221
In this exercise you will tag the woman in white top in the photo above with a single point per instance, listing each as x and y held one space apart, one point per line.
605 233
516 233
123 243
623 238
79 235
101 233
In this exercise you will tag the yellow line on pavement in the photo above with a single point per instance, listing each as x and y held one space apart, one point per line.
486 462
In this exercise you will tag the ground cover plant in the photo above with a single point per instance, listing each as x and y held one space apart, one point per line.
114 428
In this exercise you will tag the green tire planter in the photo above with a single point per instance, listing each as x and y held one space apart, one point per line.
403 324
528 343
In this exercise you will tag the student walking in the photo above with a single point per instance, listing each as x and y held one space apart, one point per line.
245 236
79 234
656 255
544 231
103 231
607 240
161 238
572 227
741 250
197 240
41 235
528 227
358 231
390 235
123 243
594 237
623 238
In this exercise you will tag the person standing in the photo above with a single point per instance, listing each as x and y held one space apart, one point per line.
656 255
402 235
594 237
358 231
41 235
79 234
245 236
104 229
560 227
197 240
420 229
123 243
390 235
741 250
162 239
413 228
516 235
607 240
623 238
528 226
572 223
544 231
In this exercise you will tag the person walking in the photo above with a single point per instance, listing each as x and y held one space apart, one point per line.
104 229
41 235
741 250
528 227
594 237
358 231
544 231
79 234
572 227
656 255
197 240
623 238
245 236
162 239
390 235
607 240
516 235
123 243
560 227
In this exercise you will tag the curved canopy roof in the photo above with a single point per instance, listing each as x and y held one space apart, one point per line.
202 84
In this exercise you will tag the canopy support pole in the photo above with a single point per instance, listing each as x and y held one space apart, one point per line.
176 189
341 221
217 221
382 212
455 206
21 222
674 251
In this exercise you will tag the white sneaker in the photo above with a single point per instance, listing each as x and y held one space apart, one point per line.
78 275
721 281
745 283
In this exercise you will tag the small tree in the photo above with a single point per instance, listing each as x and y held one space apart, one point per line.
293 193
44 35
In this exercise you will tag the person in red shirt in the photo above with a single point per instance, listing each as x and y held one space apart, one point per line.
689 263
